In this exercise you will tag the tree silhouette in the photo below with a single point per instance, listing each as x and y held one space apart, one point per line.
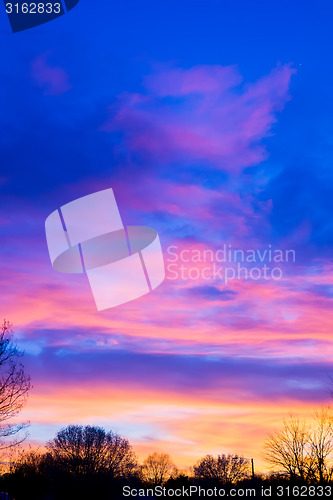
14 384
223 468
290 450
86 451
28 474
321 442
157 468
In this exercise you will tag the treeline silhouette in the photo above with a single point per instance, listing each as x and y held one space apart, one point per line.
87 462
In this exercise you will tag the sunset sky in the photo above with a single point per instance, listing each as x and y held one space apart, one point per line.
212 122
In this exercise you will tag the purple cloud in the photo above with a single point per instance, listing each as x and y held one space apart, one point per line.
203 113
53 79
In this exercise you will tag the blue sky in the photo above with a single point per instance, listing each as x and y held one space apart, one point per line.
212 122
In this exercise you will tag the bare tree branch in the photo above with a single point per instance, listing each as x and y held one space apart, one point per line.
157 468
223 468
14 385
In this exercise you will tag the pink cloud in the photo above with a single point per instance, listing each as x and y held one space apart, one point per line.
53 79
200 79
209 117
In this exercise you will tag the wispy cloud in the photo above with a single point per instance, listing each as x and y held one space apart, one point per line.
202 113
52 79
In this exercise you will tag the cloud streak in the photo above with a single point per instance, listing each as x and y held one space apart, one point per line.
203 113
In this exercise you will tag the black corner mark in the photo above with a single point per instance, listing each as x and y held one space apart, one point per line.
26 14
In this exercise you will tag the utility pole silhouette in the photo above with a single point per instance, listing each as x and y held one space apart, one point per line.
252 467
